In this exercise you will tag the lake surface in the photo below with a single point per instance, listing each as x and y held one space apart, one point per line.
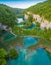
29 41
37 57
20 25
27 57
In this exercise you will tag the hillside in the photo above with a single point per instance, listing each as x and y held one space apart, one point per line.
19 12
7 16
43 9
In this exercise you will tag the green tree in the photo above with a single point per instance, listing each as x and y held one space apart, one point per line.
13 54
43 9
3 62
2 53
27 24
30 18
48 0
2 57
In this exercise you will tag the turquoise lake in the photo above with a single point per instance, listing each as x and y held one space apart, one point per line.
27 57
20 25
37 57
29 41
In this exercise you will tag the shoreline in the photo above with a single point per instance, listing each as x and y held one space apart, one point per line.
34 47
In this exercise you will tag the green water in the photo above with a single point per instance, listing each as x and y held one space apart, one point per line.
8 36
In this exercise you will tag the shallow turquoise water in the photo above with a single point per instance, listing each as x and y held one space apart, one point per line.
27 57
37 57
20 25
29 41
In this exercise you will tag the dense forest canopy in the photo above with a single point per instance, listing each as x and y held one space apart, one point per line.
7 16
19 12
43 9
48 0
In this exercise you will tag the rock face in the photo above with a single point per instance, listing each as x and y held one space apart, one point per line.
43 22
26 16
3 27
46 25
37 17
48 49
